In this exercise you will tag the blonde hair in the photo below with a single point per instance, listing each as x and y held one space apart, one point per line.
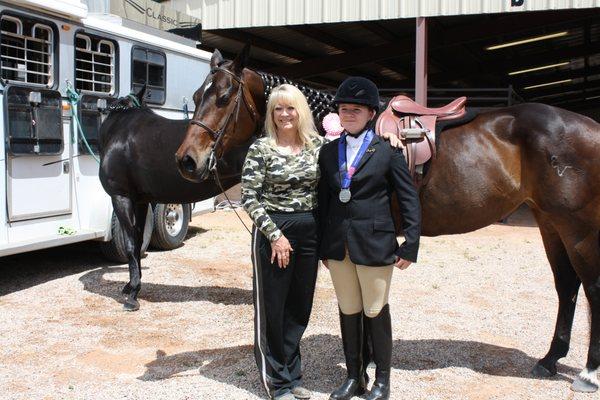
291 95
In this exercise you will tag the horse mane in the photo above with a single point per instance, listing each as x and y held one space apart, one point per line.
319 102
125 103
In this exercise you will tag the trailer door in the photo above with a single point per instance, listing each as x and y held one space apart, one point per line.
38 165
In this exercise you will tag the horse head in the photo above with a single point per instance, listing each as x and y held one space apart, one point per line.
229 106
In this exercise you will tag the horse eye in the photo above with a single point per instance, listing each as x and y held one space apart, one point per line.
223 100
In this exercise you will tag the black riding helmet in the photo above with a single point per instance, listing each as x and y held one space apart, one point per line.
358 90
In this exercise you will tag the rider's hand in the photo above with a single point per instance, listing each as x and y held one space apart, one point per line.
402 263
393 139
281 250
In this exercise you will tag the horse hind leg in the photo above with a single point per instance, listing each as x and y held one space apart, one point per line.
141 211
567 286
583 247
124 209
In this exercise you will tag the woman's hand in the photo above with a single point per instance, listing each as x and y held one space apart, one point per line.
402 263
281 250
393 139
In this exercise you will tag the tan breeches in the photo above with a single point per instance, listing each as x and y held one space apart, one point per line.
360 287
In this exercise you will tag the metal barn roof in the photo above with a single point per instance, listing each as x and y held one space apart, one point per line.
227 14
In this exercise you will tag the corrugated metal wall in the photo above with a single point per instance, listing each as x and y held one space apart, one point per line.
222 14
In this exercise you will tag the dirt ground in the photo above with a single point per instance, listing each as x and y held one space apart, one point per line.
470 321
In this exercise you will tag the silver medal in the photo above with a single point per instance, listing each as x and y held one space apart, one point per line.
345 195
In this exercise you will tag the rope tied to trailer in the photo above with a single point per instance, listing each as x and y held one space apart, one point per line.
134 100
74 98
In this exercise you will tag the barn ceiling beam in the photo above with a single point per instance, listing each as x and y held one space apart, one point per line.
340 44
539 94
450 37
258 42
591 91
556 76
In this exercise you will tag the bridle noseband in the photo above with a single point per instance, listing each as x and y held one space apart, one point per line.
242 93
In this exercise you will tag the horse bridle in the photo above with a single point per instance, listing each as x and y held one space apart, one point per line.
219 134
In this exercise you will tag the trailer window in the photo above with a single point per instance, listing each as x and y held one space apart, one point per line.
92 111
33 120
149 68
95 64
26 51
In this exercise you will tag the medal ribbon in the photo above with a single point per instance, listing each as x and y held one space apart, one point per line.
347 173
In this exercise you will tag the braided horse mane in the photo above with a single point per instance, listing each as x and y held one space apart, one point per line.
320 103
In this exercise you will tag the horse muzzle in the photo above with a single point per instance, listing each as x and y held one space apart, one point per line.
191 170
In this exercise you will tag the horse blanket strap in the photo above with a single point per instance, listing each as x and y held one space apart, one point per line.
415 125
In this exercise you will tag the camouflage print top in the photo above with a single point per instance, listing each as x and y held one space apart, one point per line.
272 181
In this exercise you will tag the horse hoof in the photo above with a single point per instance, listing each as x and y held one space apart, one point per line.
131 305
583 385
542 372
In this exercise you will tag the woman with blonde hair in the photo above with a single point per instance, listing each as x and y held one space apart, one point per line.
279 193
279 182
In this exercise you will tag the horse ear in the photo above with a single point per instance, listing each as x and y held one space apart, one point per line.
241 60
141 94
216 59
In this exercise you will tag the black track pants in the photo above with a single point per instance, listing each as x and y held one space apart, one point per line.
283 300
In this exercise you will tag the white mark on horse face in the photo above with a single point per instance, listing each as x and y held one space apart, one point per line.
560 170
209 84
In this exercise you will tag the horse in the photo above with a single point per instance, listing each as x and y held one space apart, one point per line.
536 154
137 168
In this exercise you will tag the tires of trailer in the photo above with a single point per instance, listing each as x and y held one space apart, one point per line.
171 223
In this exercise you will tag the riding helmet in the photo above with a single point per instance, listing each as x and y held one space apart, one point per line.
358 90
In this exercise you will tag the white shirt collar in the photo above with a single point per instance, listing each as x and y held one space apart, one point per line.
356 141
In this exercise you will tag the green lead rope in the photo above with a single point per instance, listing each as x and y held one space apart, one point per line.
134 99
73 97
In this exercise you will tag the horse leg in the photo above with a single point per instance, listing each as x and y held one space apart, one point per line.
124 209
583 247
141 211
567 285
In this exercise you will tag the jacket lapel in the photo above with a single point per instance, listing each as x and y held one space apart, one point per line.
370 151
336 161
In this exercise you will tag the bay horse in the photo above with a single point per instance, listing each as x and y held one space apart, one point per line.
543 156
137 169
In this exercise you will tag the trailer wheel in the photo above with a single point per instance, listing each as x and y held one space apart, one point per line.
114 250
170 225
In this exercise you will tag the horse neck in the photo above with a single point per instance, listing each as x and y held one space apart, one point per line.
320 103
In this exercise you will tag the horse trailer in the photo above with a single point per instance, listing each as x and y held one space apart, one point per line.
49 179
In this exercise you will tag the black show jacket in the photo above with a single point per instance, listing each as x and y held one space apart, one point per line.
365 223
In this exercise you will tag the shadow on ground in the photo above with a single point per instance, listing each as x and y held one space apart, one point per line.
322 356
95 282
30 269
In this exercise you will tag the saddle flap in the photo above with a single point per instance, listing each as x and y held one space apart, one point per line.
388 122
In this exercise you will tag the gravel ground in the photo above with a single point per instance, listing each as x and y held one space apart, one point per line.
470 321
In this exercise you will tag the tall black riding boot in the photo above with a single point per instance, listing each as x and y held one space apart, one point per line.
352 339
380 329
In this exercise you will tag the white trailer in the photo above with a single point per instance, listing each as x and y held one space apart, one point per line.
48 179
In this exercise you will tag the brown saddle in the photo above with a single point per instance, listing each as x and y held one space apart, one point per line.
414 125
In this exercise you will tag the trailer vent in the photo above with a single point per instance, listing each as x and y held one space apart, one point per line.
94 64
26 51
